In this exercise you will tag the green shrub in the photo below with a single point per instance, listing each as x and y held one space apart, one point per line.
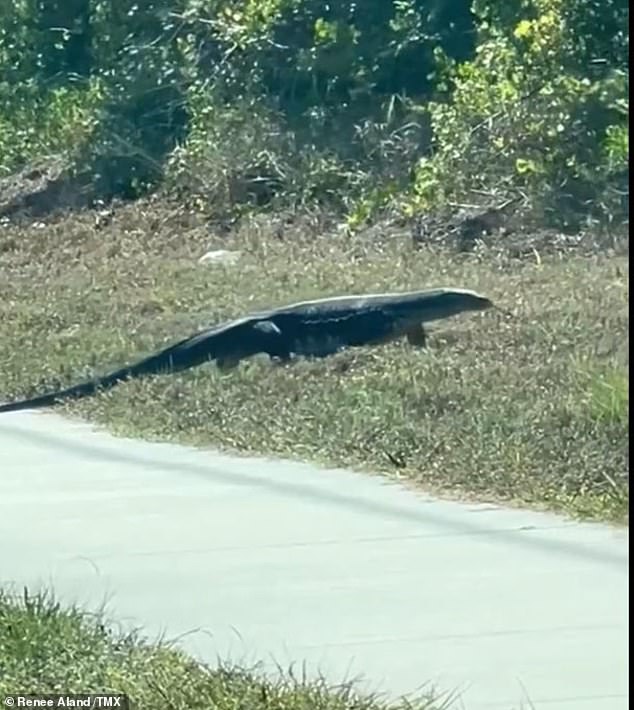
535 111
59 122
355 106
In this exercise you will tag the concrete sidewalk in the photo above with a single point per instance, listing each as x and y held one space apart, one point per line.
280 562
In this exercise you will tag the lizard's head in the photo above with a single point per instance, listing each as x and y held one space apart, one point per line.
444 303
459 301
476 302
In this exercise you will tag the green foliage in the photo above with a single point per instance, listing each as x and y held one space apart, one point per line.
604 391
531 112
59 121
297 100
122 127
136 52
306 53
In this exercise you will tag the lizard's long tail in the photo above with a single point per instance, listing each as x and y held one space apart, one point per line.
173 359
85 389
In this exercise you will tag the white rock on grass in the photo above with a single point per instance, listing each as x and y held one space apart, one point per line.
219 256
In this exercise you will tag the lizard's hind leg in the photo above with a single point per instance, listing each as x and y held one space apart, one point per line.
227 363
417 337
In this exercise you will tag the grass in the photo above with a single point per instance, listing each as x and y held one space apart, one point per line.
531 410
46 648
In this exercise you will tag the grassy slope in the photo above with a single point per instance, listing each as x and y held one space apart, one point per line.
45 648
531 410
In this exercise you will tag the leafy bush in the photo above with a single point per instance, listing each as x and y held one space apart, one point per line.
36 125
357 106
541 109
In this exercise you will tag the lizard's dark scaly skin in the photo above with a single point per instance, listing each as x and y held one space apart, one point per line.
310 329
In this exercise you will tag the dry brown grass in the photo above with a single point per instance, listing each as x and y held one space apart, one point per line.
533 409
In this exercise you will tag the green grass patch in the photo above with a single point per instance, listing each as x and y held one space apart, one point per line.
48 648
531 410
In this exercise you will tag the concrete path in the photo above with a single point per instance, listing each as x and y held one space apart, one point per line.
259 560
